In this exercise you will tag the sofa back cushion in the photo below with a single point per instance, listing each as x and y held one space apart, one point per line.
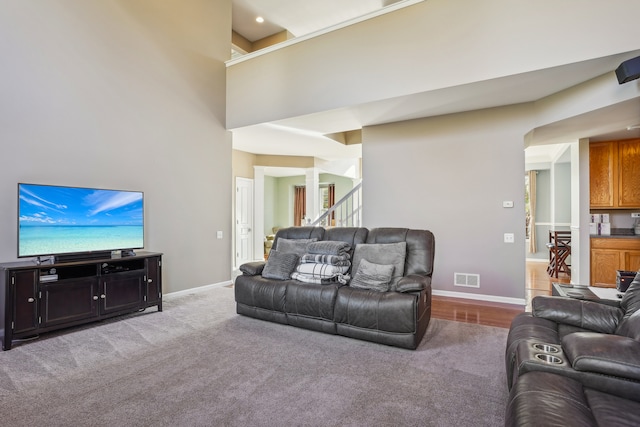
294 246
351 235
630 303
629 325
309 233
420 247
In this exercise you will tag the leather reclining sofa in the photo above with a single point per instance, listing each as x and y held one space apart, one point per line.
575 362
396 317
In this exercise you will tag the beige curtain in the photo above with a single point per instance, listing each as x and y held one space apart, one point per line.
532 211
299 204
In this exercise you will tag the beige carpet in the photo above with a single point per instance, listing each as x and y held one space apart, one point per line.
199 364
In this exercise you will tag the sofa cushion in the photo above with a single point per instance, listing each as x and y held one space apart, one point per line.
311 300
546 399
385 254
583 314
611 410
280 265
420 247
630 303
351 235
262 294
377 311
293 246
299 233
629 326
630 323
376 277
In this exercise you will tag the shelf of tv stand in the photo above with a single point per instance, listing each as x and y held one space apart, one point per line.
38 298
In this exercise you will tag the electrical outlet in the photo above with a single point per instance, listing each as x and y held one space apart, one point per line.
509 238
635 215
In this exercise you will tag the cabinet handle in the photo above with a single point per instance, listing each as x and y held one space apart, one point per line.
95 297
30 300
103 296
150 280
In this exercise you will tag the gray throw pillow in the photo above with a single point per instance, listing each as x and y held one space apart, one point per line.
280 265
293 246
385 254
372 276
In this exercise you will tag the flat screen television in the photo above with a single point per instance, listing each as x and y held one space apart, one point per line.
57 220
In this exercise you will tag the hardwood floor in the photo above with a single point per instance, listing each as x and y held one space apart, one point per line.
537 282
471 311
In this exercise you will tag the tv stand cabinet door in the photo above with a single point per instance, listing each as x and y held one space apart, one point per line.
25 308
122 292
68 301
154 282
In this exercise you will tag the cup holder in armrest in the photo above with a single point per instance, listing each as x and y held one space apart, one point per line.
546 348
549 358
534 355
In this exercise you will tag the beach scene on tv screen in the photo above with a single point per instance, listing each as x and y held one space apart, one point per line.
56 220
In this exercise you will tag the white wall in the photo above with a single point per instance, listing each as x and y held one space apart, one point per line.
126 94
425 47
450 175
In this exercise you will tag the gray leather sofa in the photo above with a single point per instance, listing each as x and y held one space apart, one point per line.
575 362
398 318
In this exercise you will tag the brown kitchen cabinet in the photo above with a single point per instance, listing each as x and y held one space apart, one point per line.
614 174
609 254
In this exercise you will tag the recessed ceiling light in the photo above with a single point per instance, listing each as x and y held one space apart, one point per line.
632 127
260 19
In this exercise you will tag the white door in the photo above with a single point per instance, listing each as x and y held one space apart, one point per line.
244 221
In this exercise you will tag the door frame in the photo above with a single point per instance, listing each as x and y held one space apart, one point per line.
249 212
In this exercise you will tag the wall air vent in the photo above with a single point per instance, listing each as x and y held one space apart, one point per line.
466 279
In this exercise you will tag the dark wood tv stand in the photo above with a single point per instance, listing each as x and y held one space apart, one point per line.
37 298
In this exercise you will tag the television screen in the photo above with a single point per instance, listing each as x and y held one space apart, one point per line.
55 220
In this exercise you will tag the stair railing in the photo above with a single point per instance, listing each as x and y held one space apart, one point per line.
346 212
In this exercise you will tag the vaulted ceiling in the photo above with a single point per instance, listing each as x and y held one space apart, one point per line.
300 18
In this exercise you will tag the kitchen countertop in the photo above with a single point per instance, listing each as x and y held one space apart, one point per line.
618 233
615 236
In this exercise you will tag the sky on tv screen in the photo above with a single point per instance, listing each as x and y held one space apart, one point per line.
68 206
56 220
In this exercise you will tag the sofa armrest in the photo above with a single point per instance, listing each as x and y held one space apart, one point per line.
611 355
413 283
583 314
252 268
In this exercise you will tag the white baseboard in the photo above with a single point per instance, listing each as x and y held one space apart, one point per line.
479 297
461 295
197 289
